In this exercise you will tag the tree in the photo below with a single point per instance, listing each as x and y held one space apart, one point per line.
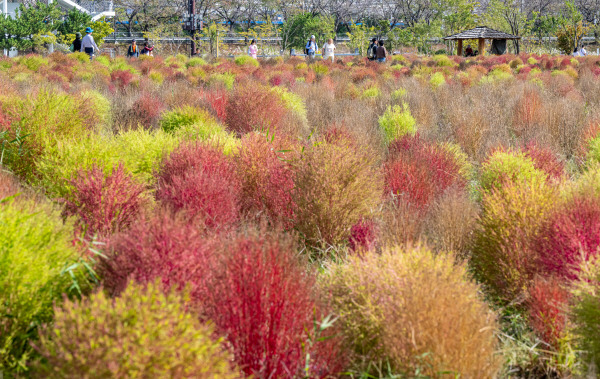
359 37
507 14
299 28
28 26
75 21
571 28
150 13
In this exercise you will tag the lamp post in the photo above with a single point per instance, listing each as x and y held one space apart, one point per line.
192 24
5 13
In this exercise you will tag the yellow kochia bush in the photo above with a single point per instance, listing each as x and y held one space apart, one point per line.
415 311
143 333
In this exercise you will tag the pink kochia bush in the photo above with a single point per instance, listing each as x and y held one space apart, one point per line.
572 234
202 181
547 305
545 160
251 108
163 246
248 284
417 172
363 236
262 299
104 203
267 179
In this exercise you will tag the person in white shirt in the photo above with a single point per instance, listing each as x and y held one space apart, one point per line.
88 45
329 50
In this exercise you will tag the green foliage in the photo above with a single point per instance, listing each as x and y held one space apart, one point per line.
512 216
142 333
100 107
571 29
371 93
140 151
36 251
191 123
586 310
320 69
225 79
437 79
415 311
42 119
195 62
37 19
504 166
33 62
246 60
397 122
297 29
444 61
293 103
359 37
101 29
75 21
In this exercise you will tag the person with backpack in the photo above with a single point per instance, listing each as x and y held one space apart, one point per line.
372 51
88 45
133 51
311 47
76 45
381 52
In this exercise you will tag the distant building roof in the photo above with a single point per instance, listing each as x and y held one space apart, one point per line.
481 32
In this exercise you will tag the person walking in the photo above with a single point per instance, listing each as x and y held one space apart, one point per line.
329 50
133 51
311 47
253 49
88 45
372 52
76 45
381 52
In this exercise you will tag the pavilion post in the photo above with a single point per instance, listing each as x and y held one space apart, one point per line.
459 47
482 46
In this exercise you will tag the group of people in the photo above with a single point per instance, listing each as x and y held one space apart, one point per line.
579 52
312 48
377 51
133 51
86 44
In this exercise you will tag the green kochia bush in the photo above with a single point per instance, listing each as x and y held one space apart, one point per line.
586 310
504 166
397 122
413 313
293 103
35 250
40 120
191 122
139 150
143 333
246 60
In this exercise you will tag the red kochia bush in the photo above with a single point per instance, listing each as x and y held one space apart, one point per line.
547 307
163 246
363 236
122 78
417 172
146 110
201 180
570 236
261 298
267 180
218 102
545 160
254 108
104 204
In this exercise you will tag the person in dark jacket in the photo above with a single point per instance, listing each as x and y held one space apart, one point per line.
76 46
381 52
372 52
133 51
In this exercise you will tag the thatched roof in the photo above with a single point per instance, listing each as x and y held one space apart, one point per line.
481 32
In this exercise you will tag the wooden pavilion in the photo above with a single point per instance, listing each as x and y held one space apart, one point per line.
481 33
